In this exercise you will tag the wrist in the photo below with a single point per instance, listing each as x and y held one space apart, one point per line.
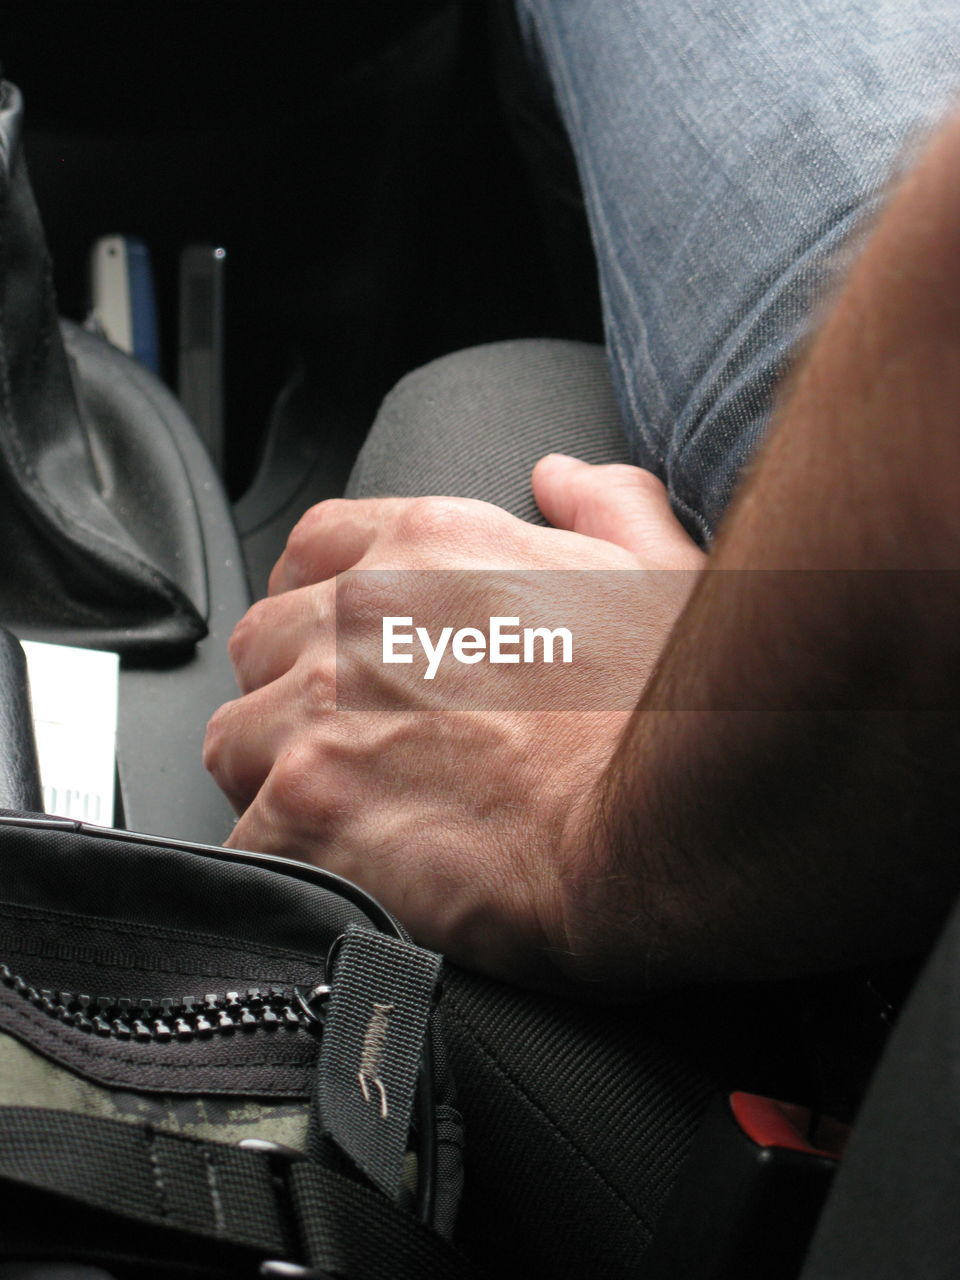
600 913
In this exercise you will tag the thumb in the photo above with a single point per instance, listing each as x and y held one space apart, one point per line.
618 503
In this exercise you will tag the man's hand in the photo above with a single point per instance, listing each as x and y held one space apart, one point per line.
466 819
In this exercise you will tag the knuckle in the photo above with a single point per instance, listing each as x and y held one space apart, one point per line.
313 521
311 526
362 598
239 638
216 738
286 780
625 476
318 684
295 789
437 520
300 543
248 627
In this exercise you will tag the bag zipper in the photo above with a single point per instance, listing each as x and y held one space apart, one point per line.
183 1018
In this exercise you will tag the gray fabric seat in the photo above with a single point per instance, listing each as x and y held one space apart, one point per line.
472 424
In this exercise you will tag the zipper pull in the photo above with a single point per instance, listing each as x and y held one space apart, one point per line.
312 1004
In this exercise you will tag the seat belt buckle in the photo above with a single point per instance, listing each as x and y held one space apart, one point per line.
750 1193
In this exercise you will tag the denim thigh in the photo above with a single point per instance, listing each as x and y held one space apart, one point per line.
728 150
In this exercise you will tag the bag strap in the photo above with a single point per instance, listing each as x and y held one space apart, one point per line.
284 1210
374 1048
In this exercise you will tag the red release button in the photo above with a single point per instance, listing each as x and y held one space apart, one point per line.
769 1123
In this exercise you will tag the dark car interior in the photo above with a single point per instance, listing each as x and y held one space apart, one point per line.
371 172
356 163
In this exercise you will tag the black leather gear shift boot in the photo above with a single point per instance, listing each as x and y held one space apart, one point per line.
100 541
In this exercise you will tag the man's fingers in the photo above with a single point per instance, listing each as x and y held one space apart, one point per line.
290 819
244 738
265 826
621 504
330 537
263 830
272 634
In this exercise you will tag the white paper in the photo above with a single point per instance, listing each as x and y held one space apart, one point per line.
74 695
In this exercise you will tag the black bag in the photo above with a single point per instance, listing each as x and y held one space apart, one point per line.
215 1063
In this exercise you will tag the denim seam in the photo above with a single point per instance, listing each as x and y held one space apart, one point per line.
739 337
692 513
616 354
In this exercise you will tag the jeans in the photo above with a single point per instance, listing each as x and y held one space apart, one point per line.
729 151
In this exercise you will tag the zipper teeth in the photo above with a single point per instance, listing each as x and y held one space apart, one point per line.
151 1021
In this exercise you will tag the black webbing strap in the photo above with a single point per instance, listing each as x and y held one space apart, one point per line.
372 1046
221 1193
204 1188
367 1236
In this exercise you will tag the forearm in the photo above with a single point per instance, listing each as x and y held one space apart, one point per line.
783 799
756 841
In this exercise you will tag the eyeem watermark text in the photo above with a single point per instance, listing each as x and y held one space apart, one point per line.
504 642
